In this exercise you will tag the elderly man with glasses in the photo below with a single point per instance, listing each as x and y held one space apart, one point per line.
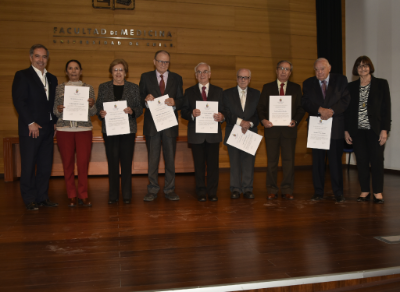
281 138
240 104
205 146
154 84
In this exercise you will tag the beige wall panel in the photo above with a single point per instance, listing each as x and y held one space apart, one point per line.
179 15
274 22
271 4
74 11
302 5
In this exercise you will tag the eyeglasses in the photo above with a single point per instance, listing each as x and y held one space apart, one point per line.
363 67
118 69
283 69
243 78
163 62
204 72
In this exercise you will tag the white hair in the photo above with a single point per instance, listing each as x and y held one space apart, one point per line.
202 63
237 73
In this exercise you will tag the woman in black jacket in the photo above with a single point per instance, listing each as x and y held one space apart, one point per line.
119 148
367 124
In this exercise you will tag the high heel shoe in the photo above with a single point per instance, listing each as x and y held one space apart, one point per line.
378 201
85 202
364 199
72 202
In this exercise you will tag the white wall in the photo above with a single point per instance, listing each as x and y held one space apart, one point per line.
373 29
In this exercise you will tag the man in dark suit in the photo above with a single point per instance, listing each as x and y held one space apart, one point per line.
281 138
205 146
154 84
325 95
240 103
33 93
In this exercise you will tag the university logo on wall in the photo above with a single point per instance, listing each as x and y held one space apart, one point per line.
114 4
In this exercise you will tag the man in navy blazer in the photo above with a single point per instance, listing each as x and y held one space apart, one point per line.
205 146
240 103
33 93
154 84
281 138
326 96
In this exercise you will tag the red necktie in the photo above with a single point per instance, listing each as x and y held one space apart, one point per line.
203 93
162 85
324 88
281 92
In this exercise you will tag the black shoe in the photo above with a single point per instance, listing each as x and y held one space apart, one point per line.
80 202
149 197
213 198
235 195
113 201
378 201
172 196
364 199
248 195
127 201
340 199
32 206
47 203
316 198
201 198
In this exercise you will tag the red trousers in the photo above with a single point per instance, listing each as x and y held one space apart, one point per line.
81 143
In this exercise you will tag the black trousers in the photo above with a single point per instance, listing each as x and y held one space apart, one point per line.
206 154
335 167
369 152
36 153
287 147
119 150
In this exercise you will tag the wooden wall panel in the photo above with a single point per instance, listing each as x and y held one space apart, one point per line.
226 34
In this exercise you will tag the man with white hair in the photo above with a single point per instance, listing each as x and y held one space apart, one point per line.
326 96
205 146
240 103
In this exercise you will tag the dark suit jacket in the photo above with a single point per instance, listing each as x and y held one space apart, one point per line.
31 102
337 98
378 106
130 94
298 112
149 85
233 109
189 104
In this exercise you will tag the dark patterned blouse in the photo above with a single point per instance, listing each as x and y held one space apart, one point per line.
363 121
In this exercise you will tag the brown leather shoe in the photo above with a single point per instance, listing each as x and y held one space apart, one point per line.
287 196
272 196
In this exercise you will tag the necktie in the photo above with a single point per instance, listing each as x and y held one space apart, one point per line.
203 93
281 92
162 85
324 88
243 99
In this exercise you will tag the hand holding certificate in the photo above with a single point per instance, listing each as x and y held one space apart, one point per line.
205 123
76 105
163 115
280 110
117 121
248 142
319 133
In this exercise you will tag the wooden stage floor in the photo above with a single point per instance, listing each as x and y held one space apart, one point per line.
164 244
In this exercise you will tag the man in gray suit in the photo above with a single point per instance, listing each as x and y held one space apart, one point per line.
154 84
240 103
281 138
205 146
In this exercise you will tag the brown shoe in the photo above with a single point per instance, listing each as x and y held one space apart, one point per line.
272 196
287 196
